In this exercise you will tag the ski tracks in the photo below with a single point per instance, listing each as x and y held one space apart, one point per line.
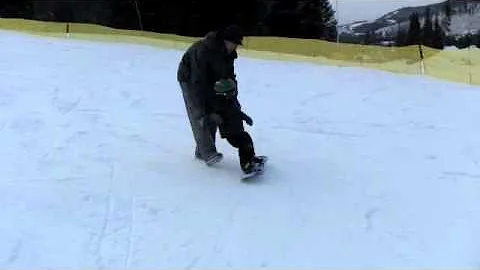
108 213
118 223
131 232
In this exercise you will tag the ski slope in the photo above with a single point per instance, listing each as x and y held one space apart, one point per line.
366 169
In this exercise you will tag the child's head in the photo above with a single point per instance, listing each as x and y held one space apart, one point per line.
226 88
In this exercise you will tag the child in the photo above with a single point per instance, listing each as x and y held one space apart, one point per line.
229 117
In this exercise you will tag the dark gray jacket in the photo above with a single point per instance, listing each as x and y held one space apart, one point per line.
204 63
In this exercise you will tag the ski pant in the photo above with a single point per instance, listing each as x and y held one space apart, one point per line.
244 143
204 135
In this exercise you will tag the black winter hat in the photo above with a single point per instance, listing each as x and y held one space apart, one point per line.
233 33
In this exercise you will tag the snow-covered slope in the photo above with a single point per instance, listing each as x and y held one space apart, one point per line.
465 19
466 23
367 169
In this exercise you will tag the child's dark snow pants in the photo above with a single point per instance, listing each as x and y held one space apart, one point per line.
243 142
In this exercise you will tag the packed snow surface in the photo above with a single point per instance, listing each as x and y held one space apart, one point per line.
366 168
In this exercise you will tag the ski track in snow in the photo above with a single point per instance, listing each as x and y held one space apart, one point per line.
366 169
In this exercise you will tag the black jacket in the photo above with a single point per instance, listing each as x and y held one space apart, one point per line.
204 63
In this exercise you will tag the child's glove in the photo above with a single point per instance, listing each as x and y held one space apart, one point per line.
247 119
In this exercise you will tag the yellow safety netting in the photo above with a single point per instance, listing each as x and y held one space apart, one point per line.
453 65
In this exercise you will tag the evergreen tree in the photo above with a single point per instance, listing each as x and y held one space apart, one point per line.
465 41
301 19
124 14
282 19
414 32
476 39
439 35
447 8
96 12
262 8
401 38
198 17
160 16
248 14
316 20
329 21
427 29
16 9
286 18
310 24
369 38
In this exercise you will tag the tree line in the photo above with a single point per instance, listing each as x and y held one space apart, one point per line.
429 27
313 19
433 31
430 34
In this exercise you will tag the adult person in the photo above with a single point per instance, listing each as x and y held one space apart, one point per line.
203 64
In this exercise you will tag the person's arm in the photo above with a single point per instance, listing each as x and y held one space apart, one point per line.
199 75
236 102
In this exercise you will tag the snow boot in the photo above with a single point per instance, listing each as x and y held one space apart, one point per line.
197 155
213 159
260 160
254 165
249 167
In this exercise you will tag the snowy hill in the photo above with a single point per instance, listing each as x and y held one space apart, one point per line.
367 169
465 19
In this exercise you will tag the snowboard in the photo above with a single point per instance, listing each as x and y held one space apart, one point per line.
257 172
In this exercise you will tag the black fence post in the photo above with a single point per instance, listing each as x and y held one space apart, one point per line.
422 63
67 29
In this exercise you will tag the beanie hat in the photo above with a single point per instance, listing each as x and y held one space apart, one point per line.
233 33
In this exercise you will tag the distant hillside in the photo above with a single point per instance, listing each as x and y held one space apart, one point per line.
465 18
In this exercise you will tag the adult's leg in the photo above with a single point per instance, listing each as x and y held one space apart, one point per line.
212 130
204 135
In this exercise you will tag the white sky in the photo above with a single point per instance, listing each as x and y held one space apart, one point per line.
354 10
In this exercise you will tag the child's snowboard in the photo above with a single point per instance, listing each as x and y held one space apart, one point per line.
257 172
